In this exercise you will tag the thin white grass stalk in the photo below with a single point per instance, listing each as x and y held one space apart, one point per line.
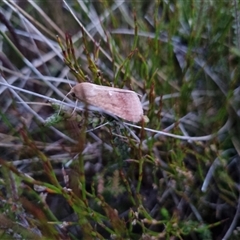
131 132
187 138
183 130
81 108
32 67
26 71
216 79
14 6
31 28
93 129
42 59
198 61
32 93
164 97
90 27
58 92
39 117
9 100
58 158
94 18
36 103
183 119
196 212
86 31
210 173
177 95
48 78
54 47
55 101
213 167
45 17
125 12
233 225
49 84
39 146
35 36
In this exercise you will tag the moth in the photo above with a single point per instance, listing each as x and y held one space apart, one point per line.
120 102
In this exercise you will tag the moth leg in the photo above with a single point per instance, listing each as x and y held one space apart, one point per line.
75 107
62 102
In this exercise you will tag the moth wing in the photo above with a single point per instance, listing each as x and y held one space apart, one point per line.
122 103
125 105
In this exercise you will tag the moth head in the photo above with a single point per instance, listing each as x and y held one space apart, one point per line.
73 94
78 92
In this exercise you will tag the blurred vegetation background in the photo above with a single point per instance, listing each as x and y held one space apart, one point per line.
84 175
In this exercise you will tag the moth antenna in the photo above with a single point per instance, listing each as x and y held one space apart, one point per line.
63 101
70 85
65 97
75 106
